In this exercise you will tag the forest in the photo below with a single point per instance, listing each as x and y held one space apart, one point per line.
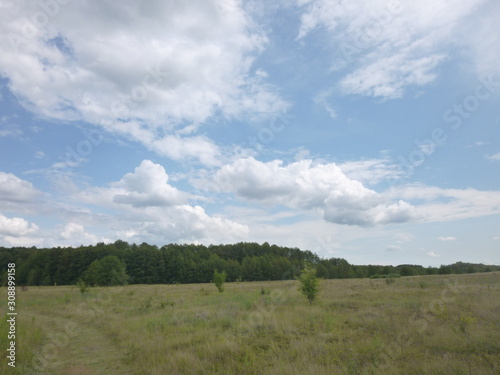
192 263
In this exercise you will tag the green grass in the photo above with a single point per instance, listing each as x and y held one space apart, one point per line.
414 325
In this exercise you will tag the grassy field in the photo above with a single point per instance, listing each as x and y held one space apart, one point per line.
415 325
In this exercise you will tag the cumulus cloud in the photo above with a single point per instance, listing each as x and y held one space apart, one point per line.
16 227
306 185
186 223
17 231
145 207
15 191
74 234
391 46
136 70
147 186
142 206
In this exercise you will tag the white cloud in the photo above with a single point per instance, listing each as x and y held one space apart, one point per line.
40 155
9 130
447 238
15 191
71 230
305 185
145 207
388 77
322 99
17 231
136 70
482 38
142 206
495 157
147 186
187 224
178 148
74 234
449 204
433 254
391 46
16 227
370 171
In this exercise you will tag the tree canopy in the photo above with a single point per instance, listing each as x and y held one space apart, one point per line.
189 263
108 271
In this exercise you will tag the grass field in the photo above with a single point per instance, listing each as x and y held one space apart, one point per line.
415 325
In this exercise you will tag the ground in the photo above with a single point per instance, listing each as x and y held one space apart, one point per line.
414 325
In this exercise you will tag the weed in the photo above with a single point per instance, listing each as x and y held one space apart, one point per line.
84 288
146 305
442 312
165 304
464 324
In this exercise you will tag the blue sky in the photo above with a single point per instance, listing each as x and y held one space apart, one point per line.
367 130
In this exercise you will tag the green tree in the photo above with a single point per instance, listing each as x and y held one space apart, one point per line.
309 284
219 279
107 271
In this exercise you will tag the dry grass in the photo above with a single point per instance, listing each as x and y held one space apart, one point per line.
416 325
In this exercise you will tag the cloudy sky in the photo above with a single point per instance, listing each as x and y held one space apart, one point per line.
367 130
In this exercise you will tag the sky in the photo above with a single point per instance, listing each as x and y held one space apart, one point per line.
363 130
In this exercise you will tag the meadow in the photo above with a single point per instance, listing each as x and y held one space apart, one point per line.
440 324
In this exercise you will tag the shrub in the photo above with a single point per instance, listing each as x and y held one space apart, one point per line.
389 281
84 288
108 271
309 284
219 279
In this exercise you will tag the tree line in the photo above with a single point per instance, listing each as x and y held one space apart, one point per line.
190 263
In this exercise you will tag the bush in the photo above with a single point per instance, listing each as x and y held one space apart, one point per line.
219 279
84 288
309 284
389 280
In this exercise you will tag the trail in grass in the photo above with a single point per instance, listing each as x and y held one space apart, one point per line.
77 348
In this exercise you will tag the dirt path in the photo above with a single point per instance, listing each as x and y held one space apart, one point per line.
77 348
